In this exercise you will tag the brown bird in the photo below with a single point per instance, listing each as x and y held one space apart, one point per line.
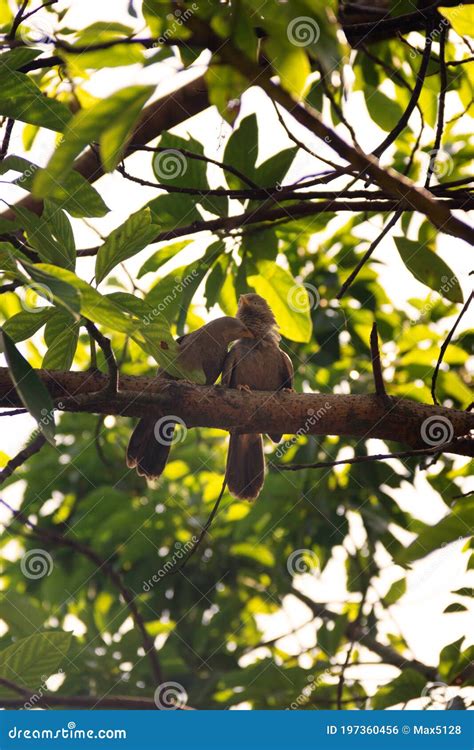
254 365
203 349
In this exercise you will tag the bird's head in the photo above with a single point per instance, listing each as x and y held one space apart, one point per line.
229 329
256 314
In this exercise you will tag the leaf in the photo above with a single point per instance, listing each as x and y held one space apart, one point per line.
172 167
456 525
273 170
455 607
21 99
108 121
162 256
25 324
226 86
49 234
288 299
61 335
32 660
384 112
129 238
408 685
16 58
31 390
257 552
92 304
291 64
461 18
53 289
396 590
74 193
192 278
429 269
241 152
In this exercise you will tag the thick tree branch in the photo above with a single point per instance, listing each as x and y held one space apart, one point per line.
363 416
159 116
400 187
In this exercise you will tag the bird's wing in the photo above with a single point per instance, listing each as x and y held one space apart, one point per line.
287 370
228 369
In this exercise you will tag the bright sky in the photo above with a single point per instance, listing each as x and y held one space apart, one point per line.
418 615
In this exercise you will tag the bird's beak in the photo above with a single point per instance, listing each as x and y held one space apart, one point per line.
243 300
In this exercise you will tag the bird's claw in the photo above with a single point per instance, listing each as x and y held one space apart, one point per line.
288 390
246 388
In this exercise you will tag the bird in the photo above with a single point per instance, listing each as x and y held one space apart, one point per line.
257 364
204 349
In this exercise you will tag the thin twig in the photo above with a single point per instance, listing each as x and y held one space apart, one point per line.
441 106
420 78
443 447
203 533
17 21
20 458
6 138
376 366
353 275
445 345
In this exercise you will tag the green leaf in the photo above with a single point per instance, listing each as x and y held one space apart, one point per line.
93 305
396 590
288 299
25 324
407 686
162 256
241 151
21 99
429 268
53 289
32 660
226 85
108 121
291 64
171 167
129 238
257 552
192 278
454 607
49 234
456 525
273 170
31 390
74 193
383 111
461 18
16 58
61 335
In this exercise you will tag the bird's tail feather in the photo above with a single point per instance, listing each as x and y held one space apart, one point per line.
145 453
245 469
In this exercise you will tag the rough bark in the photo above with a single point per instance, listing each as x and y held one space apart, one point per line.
360 416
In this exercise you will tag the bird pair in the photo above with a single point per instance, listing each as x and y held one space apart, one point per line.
255 362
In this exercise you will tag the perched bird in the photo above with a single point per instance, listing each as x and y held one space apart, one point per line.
203 349
261 365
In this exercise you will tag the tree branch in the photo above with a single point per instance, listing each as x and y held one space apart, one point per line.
361 416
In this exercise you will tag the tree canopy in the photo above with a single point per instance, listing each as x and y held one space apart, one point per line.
156 164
